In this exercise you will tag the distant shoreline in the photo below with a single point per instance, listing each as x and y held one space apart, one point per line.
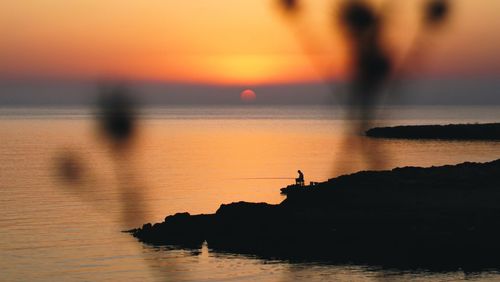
476 131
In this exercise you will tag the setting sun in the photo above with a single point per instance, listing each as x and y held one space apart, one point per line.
248 96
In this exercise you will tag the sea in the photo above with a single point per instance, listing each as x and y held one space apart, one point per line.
68 189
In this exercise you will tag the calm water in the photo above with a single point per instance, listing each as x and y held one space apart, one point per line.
188 159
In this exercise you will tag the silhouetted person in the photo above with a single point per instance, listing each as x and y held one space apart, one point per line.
300 180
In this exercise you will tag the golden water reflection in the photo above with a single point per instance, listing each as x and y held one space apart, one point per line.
176 165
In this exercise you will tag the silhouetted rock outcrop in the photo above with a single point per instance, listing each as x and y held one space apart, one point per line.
488 131
435 217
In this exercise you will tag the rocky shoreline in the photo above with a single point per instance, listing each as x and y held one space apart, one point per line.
437 217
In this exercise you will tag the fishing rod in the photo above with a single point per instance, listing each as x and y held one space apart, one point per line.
262 178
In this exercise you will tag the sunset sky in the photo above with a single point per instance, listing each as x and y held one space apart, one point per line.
226 42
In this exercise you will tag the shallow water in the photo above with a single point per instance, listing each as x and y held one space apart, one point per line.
188 159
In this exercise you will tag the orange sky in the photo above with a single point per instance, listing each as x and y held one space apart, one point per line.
219 41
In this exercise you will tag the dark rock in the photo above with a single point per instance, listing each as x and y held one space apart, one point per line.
487 131
181 229
438 218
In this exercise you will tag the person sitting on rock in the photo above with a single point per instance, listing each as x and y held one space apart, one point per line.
300 180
